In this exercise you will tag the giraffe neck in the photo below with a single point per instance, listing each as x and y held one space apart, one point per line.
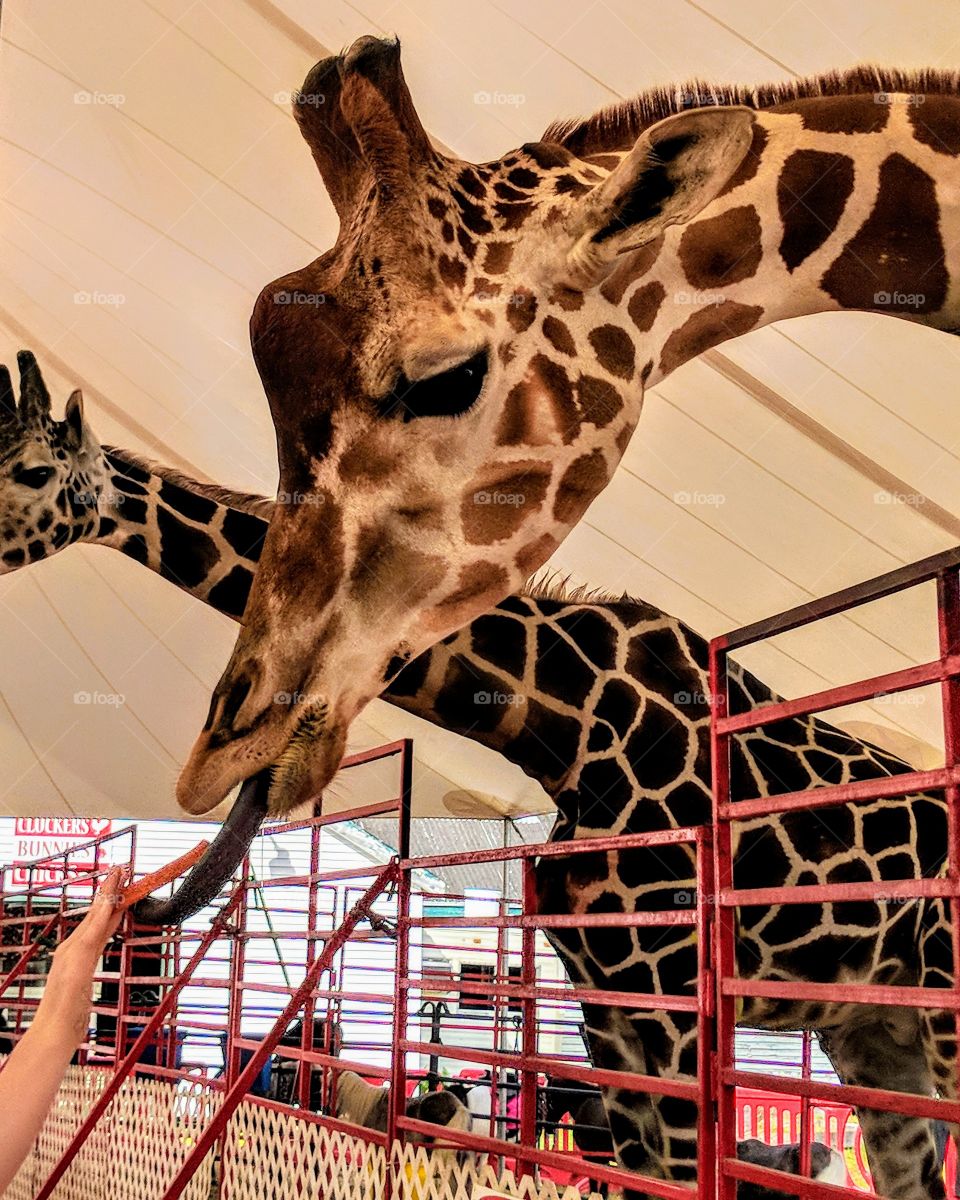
205 539
813 221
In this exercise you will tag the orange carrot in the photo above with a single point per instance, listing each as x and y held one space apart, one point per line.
156 879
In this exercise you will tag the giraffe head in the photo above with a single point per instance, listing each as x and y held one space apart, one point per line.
51 472
450 389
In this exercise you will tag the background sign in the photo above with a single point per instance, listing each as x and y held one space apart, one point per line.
37 837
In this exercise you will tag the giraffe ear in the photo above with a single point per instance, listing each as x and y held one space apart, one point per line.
675 169
73 418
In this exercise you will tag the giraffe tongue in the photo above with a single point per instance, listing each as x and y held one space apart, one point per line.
225 853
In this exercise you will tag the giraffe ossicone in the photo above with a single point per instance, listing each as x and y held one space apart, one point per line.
472 362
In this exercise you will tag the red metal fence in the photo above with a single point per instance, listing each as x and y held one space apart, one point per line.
944 670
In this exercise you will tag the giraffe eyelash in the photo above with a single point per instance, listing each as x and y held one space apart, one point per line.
449 393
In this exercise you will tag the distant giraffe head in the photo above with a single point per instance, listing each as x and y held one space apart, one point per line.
51 472
456 380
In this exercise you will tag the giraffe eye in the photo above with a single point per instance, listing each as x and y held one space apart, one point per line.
448 394
33 477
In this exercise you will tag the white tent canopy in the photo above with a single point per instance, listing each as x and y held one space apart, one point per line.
154 180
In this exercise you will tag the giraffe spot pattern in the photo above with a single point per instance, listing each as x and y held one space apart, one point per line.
614 349
230 594
718 251
812 192
894 262
583 480
838 114
499 500
705 328
936 123
558 335
645 303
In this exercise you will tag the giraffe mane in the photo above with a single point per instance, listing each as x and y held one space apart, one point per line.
551 584
617 126
257 506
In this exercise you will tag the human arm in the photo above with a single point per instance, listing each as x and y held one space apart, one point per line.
34 1070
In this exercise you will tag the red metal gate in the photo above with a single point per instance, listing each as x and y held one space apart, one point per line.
945 671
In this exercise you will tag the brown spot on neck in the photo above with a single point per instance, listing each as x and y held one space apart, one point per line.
936 123
894 263
645 304
705 328
838 114
812 192
453 271
599 401
614 350
718 251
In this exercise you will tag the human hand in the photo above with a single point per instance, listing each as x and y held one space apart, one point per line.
64 1009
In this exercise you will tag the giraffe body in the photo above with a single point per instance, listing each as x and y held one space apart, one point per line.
477 366
610 716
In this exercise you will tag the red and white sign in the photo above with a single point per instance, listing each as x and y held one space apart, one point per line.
39 837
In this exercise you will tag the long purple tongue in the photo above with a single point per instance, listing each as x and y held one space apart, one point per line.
225 853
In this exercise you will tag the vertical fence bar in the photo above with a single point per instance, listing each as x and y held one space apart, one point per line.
528 1005
724 924
401 998
706 1009
805 1110
948 622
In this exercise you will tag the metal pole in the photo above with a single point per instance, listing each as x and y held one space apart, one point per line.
724 926
398 1059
